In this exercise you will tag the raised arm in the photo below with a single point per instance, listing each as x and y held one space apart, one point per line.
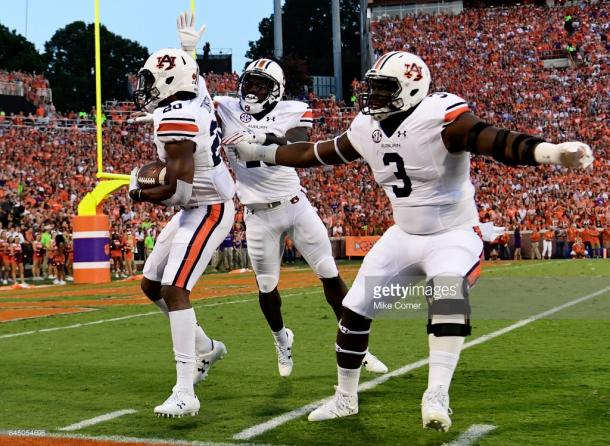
469 133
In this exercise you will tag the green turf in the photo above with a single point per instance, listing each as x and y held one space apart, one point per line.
543 384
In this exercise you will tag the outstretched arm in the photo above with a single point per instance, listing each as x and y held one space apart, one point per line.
469 133
302 154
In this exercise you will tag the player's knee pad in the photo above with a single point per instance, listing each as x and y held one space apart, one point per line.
327 268
448 306
266 282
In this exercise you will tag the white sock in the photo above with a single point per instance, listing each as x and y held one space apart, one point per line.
183 326
203 344
162 306
281 337
444 356
348 379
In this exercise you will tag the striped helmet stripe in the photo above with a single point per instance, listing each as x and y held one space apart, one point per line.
381 61
388 58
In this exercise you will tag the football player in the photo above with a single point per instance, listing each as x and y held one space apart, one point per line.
418 147
272 195
187 139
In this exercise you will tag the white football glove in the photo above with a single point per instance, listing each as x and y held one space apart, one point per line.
140 117
247 136
567 154
133 179
490 232
188 35
255 152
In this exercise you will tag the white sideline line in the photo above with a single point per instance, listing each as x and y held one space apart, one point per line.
22 433
261 428
122 318
472 434
97 420
513 266
84 324
114 319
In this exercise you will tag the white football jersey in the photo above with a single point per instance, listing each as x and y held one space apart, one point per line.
195 120
429 187
258 182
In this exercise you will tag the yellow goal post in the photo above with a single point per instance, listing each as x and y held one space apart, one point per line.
90 204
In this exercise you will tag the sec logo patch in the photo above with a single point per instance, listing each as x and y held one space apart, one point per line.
245 117
376 136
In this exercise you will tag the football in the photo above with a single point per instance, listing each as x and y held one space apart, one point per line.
152 174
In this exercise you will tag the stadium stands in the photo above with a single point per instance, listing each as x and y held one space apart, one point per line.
492 57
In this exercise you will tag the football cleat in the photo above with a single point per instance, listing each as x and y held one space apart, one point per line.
179 404
342 404
435 411
373 365
284 354
206 361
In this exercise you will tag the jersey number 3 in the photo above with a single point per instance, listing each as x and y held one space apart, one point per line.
401 174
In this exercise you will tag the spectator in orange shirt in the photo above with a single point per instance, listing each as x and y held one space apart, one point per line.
289 254
128 244
535 241
116 254
606 240
503 241
578 251
572 234
586 239
547 243
594 240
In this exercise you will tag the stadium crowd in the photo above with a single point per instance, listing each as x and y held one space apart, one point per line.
33 87
489 56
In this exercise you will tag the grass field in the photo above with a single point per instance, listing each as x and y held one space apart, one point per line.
543 382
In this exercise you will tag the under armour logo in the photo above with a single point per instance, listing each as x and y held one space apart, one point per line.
181 405
401 133
270 118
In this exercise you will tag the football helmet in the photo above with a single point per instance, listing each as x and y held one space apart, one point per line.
397 82
268 70
166 72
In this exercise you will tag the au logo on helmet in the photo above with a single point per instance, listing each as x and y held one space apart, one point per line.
414 70
166 59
